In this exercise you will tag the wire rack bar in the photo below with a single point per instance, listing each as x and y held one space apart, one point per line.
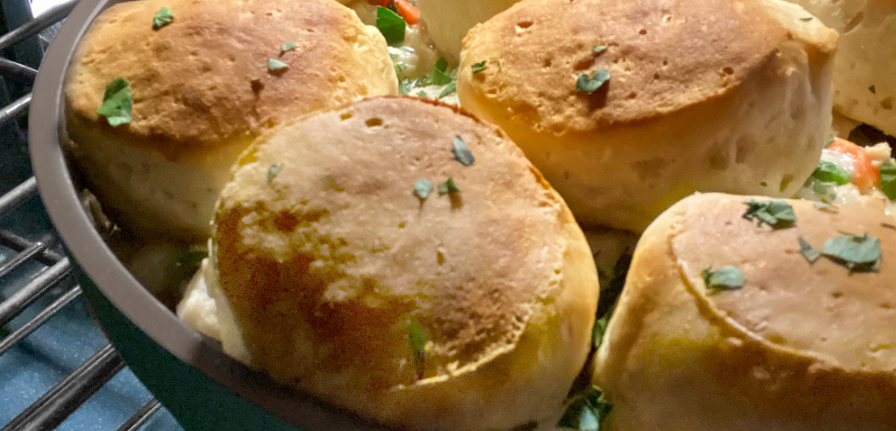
18 195
26 296
17 72
141 416
15 109
11 264
50 410
57 13
18 244
39 319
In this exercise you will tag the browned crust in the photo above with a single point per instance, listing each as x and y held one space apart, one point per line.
347 188
821 308
663 56
192 79
792 350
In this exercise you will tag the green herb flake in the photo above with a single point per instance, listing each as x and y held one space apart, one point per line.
831 173
462 152
117 102
776 213
288 46
479 67
589 85
449 186
599 329
858 253
273 171
449 89
422 188
724 279
391 25
806 19
417 344
872 89
586 412
275 65
422 94
888 179
162 18
598 49
440 74
809 252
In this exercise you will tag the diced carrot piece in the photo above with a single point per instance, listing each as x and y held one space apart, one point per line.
408 11
865 175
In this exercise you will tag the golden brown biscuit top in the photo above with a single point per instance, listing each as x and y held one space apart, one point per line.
339 243
662 56
819 308
192 79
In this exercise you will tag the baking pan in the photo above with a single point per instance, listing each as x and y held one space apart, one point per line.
188 373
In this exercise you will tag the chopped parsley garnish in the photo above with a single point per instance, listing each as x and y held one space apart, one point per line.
809 252
586 412
422 188
724 279
462 152
117 102
440 74
589 85
417 344
888 179
288 46
479 67
831 173
776 213
449 186
449 89
391 25
872 89
806 19
598 49
824 191
422 94
273 171
162 18
858 253
275 65
599 329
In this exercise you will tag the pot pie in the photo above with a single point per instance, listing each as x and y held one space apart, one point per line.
403 259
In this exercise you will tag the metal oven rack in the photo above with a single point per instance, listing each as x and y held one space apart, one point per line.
56 369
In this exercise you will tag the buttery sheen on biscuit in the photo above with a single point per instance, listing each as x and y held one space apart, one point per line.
202 90
710 95
801 346
864 70
346 235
